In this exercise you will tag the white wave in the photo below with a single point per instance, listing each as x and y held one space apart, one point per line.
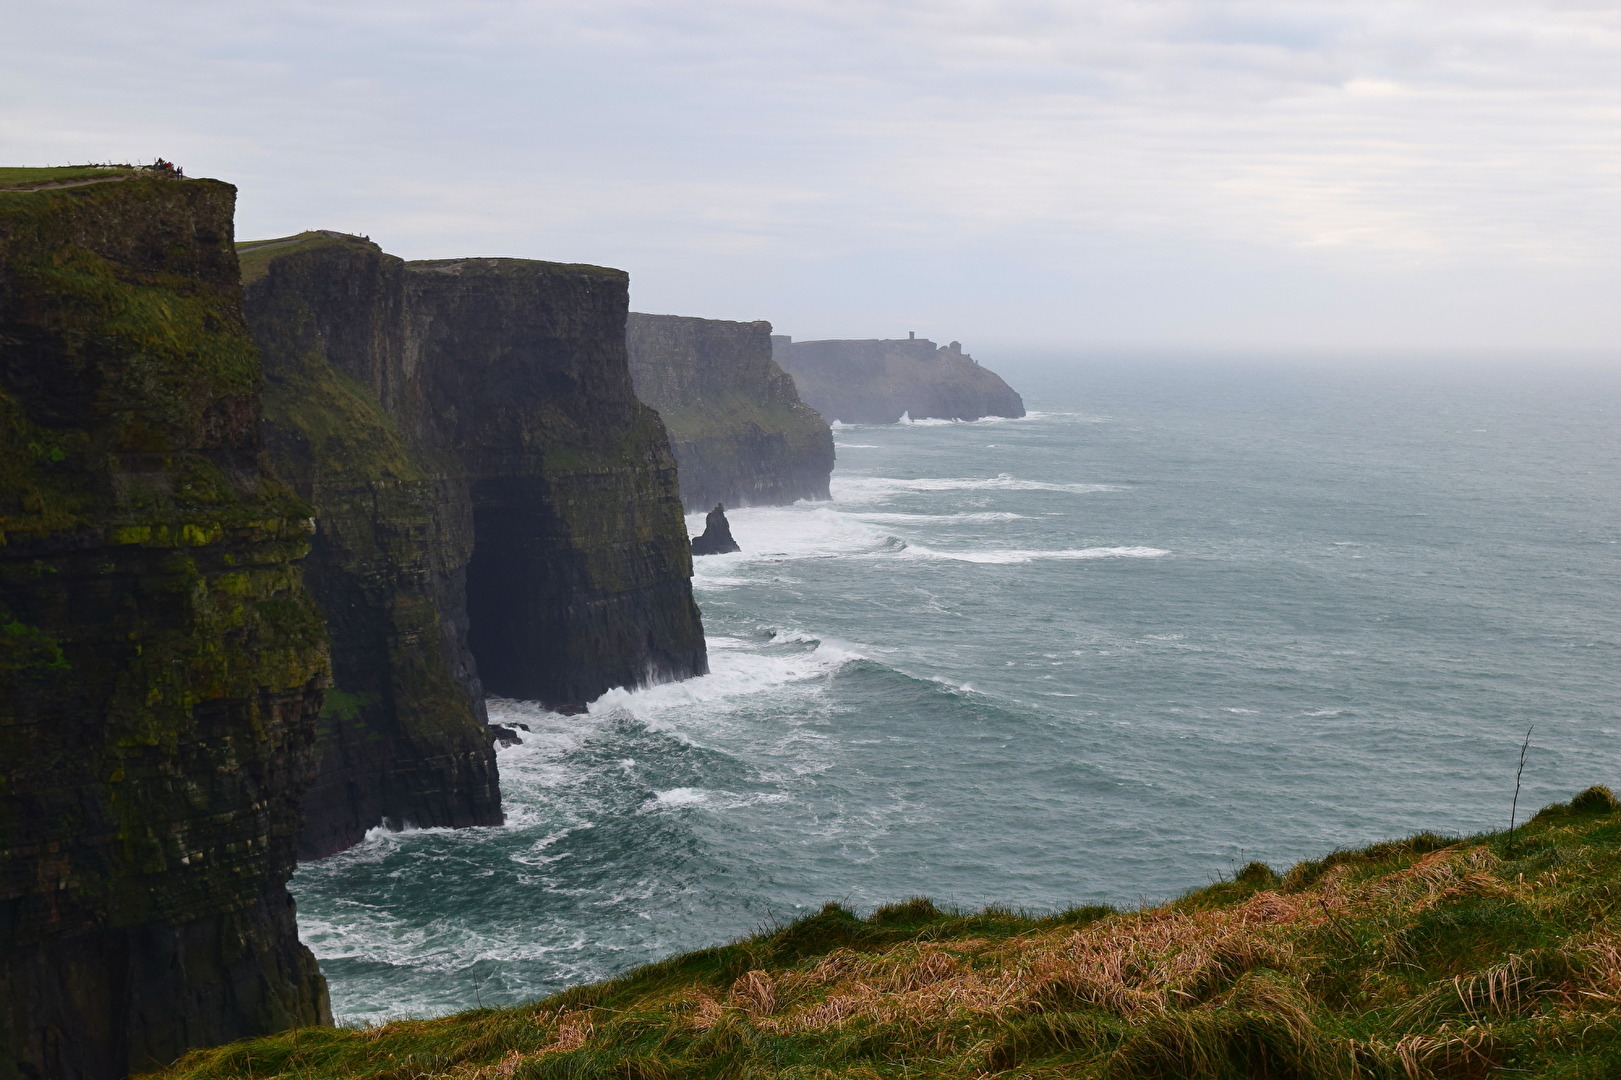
793 637
906 519
919 551
733 672
682 796
767 533
856 446
867 489
714 800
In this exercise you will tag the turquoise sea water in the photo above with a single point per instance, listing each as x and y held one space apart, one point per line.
1181 617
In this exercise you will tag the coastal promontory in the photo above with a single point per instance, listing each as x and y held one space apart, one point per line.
879 381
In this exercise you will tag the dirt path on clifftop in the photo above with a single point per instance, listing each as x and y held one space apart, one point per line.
64 184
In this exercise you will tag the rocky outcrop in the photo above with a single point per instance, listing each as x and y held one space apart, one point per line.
485 458
740 433
161 664
876 382
403 739
716 538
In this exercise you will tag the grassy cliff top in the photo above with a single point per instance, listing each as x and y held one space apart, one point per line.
500 264
256 256
12 177
1429 957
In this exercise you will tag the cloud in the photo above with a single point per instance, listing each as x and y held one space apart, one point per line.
913 148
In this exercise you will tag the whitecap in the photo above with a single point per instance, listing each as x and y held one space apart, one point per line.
682 796
869 489
784 532
907 519
733 672
992 556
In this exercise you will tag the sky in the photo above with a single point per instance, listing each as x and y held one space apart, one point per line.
1277 176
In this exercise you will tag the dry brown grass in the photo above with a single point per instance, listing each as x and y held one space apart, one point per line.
1430 959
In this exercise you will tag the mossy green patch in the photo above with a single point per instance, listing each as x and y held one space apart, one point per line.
27 651
166 662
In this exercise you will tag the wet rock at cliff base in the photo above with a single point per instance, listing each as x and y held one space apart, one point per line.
717 535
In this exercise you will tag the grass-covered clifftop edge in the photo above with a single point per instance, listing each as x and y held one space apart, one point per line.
1497 954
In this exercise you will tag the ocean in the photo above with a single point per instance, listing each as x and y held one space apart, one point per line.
1181 617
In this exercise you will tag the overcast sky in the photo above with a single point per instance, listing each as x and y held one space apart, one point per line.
1279 175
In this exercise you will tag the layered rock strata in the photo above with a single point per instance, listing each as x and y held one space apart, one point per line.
879 381
403 739
553 548
581 572
740 433
161 663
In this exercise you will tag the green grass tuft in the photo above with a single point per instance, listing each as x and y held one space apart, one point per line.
1428 957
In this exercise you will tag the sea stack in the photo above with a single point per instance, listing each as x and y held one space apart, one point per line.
879 381
740 433
717 535
161 662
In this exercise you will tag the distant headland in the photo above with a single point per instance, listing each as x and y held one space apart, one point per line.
877 381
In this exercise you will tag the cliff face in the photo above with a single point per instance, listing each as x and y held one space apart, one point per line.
874 382
580 578
484 447
403 739
741 435
161 664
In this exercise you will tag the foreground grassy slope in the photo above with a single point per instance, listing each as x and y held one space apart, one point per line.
1429 957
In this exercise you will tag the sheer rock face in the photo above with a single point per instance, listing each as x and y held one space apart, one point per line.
739 431
161 664
469 432
875 382
403 739
581 572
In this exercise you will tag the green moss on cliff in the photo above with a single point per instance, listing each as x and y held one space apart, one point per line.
152 757
403 739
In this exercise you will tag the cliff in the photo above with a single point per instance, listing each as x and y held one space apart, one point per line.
875 382
161 664
581 572
741 435
1495 955
487 450
403 740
